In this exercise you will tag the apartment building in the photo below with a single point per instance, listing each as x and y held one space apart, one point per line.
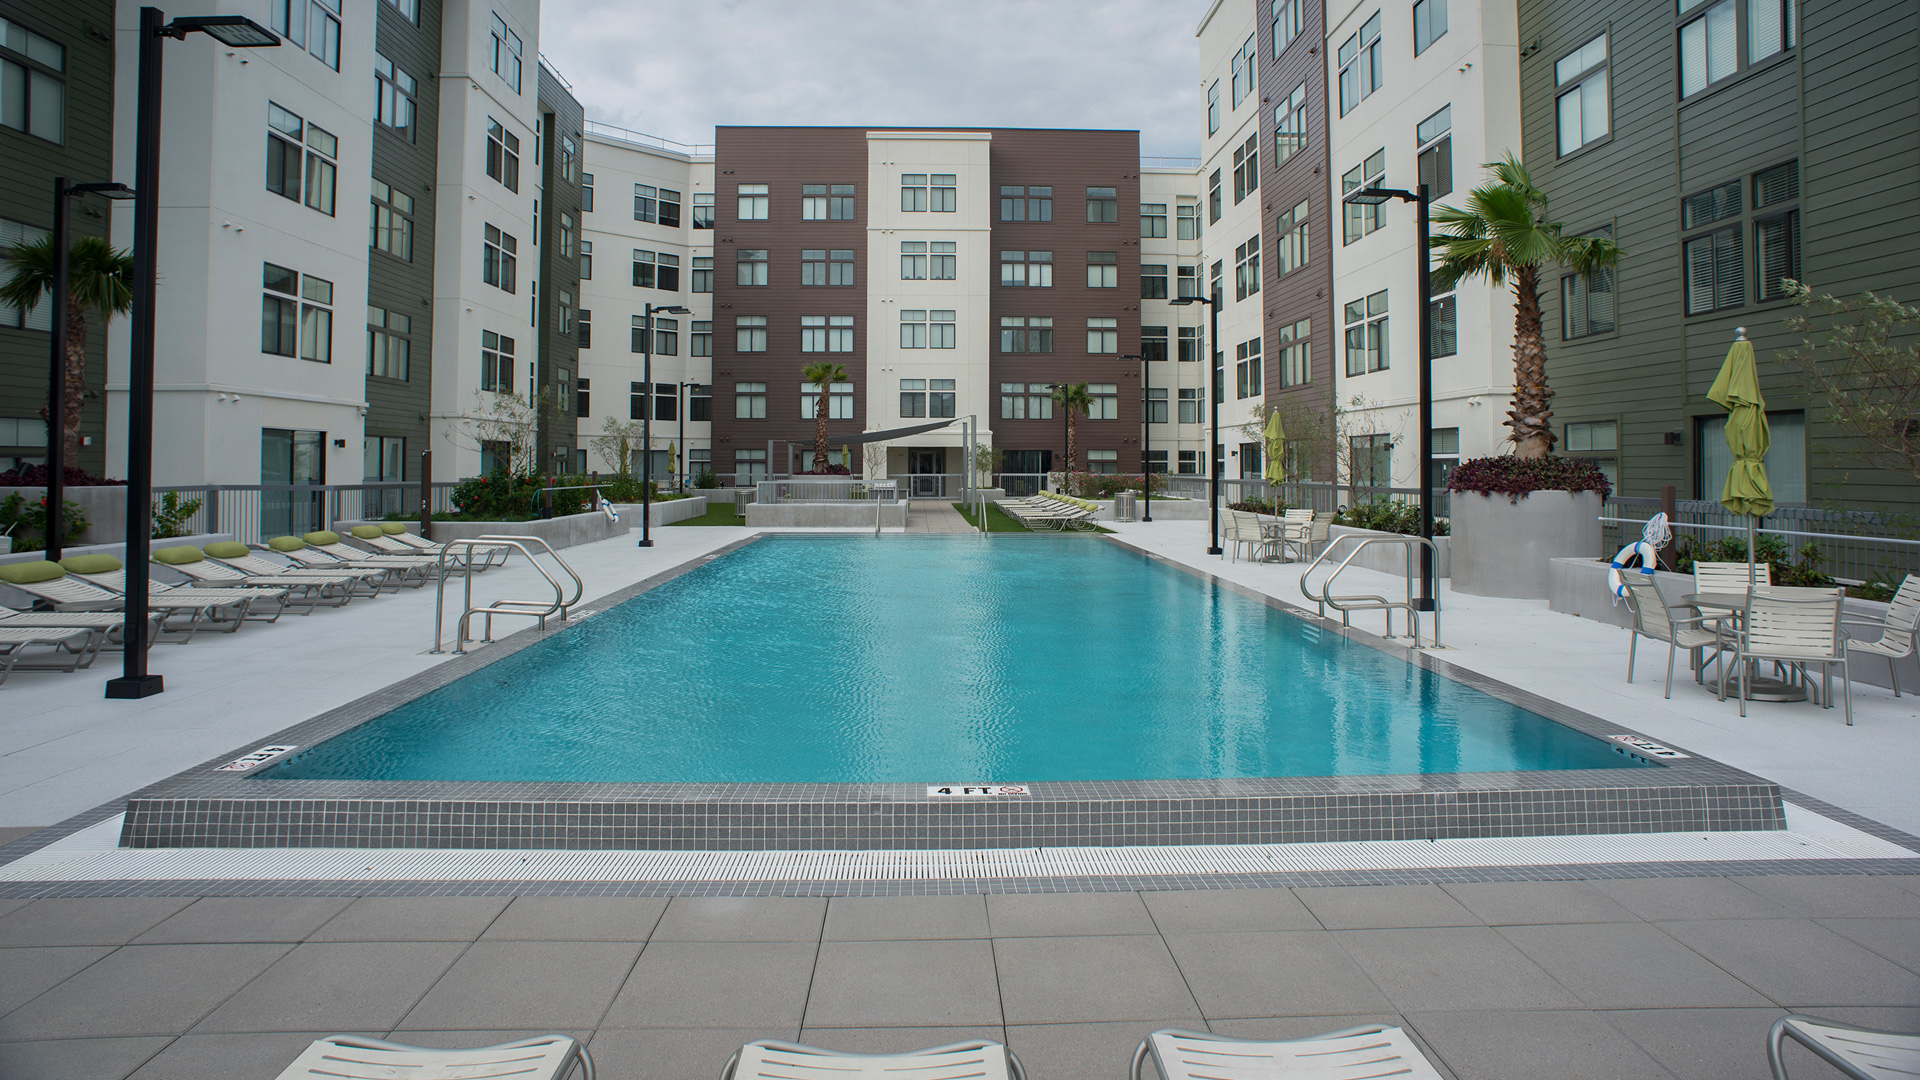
1174 404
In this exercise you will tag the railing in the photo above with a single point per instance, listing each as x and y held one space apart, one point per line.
1351 602
538 609
257 512
826 489
641 138
1851 545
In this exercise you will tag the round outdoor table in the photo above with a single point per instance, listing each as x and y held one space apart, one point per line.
1759 687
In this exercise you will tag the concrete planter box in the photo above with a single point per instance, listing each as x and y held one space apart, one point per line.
105 507
850 515
1392 559
664 513
560 532
1505 547
1164 509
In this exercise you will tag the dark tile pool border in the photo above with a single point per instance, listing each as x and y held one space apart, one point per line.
203 808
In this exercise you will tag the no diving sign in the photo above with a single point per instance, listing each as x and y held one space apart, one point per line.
977 790
255 760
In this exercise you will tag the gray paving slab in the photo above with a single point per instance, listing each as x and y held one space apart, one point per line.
93 920
25 974
1361 907
1302 1027
1054 914
1544 1043
1709 1044
1216 910
1513 903
722 984
1628 966
1273 973
413 918
742 918
9 905
246 918
903 918
859 984
1896 939
1837 897
1464 967
673 1053
1798 963
141 990
249 1056
1689 898
77 1059
526 984
896 1040
1064 979
1084 1051
337 986
577 918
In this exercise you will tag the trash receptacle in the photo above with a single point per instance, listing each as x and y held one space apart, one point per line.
1124 506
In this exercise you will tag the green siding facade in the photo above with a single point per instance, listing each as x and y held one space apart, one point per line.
561 118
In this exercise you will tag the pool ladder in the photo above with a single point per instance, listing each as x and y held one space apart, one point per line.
506 545
1348 603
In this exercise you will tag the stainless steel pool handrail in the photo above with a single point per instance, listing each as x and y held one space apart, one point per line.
538 609
1349 603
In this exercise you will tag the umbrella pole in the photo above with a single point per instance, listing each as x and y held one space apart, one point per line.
1750 552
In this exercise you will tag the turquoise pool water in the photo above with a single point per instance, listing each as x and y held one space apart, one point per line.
944 660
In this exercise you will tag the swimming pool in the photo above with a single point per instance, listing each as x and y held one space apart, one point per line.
843 659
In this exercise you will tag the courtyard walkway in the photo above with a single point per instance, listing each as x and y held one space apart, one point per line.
935 517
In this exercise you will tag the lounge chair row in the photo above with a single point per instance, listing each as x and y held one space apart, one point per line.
1051 511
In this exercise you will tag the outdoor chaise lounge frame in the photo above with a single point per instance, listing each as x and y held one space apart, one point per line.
69 648
1355 1053
974 1059
73 593
1860 1053
202 602
347 578
355 1057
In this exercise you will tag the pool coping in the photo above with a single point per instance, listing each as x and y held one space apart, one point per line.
200 807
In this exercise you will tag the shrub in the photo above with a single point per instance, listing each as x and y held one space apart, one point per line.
498 497
36 476
707 480
171 514
26 521
1388 515
1258 505
831 470
1089 485
1516 477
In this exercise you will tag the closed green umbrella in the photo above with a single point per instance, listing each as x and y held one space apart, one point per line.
1276 435
1737 390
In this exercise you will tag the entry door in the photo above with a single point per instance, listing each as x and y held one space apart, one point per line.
928 467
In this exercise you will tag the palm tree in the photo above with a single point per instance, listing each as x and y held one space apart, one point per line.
1503 232
97 279
823 376
1073 398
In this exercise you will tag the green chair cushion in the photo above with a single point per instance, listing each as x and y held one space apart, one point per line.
228 549
287 543
393 528
26 573
175 556
90 564
368 532
321 538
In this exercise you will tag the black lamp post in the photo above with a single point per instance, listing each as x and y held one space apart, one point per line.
234 31
646 419
1218 393
57 371
1374 196
1146 436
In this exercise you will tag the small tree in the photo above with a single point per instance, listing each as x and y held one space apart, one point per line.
509 420
873 461
618 442
822 376
1074 399
987 461
1869 384
97 280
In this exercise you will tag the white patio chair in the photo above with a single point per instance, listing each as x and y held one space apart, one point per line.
547 1057
1355 1053
1861 1053
974 1059
1730 578
1899 630
1653 618
1794 627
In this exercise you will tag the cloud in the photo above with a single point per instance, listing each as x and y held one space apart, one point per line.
677 70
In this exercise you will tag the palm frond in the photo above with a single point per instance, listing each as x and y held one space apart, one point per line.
1588 253
31 264
100 277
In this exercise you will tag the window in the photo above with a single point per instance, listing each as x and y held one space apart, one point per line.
1246 168
645 269
388 347
913 328
750 403
503 155
300 157
699 407
566 312
1445 448
1709 48
1599 435
751 466
1367 334
702 344
1026 204
394 95
1769 28
1031 269
1434 136
1582 106
1188 282
1103 402
1243 68
1362 220
840 266
827 333
1103 270
40 316
1715 261
1429 23
754 203
1102 205
567 236
669 208
913 398
750 266
913 260
581 389
1153 281
311 24
1026 401
839 400
1153 220
1248 379
586 193
703 273
1103 335
943 330
496 362
383 458
1213 107
1370 460
586 260
944 197
505 53
1026 333
749 333
33 98
813 266
1586 300
1192 409
296 315
1290 244
1246 269
703 209
1219 290
943 262
666 400
816 204
1296 354
1189 337
666 339
1250 460
646 203
1213 198
563 391
1776 232
669 277
1442 317
1286 24
1153 343
583 327
1786 458
1187 221
913 192
1290 125
392 221
1103 462
1362 68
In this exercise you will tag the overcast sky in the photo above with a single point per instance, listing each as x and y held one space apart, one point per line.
678 68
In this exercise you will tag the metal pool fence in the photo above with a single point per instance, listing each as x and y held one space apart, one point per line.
254 513
1850 545
826 489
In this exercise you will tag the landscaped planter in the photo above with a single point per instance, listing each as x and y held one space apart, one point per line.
664 513
558 532
105 507
1504 546
1164 509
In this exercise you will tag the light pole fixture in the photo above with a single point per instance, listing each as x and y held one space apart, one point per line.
1217 395
1374 196
57 371
1146 435
235 31
646 419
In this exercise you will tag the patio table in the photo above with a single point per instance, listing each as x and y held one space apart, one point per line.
1759 687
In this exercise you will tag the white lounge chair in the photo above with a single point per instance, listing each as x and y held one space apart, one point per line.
1654 618
1355 1053
296 593
1899 630
350 581
353 1057
68 648
223 609
1861 1053
391 538
974 1059
394 573
1795 627
110 624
